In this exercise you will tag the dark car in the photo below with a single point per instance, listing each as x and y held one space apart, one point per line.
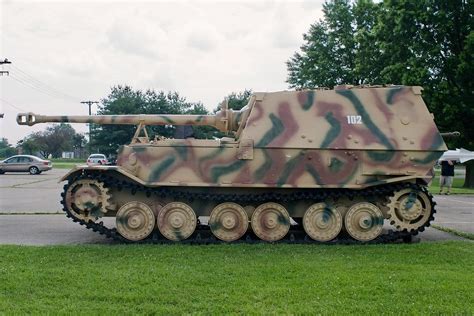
25 163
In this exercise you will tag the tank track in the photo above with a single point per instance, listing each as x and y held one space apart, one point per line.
203 235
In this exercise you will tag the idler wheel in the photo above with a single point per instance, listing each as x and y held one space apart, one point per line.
409 209
364 221
87 199
176 221
228 221
135 221
322 222
270 221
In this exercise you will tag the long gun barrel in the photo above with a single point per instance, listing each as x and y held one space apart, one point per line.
450 134
225 120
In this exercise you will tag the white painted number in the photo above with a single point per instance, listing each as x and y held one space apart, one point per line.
354 119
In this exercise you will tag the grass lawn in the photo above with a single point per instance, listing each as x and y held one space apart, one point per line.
435 278
456 189
65 165
61 163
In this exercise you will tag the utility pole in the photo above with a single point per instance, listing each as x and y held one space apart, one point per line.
2 62
89 103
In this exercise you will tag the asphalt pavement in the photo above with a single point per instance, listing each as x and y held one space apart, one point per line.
30 213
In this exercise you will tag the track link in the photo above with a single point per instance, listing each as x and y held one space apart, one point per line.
203 235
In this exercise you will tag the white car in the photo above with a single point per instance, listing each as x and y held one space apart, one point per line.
97 159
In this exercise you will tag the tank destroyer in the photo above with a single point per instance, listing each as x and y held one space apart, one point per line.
312 165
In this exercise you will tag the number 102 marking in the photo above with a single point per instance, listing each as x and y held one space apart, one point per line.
354 119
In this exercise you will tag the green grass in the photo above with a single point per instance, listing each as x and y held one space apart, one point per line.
76 160
61 163
434 278
456 188
454 231
65 165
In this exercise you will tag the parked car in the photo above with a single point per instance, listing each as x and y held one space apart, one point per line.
112 161
25 163
97 159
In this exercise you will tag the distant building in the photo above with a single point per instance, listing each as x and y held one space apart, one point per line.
67 155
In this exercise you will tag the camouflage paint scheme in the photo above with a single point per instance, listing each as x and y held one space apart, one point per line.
349 137
287 139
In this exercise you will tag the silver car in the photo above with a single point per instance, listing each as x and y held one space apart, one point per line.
25 163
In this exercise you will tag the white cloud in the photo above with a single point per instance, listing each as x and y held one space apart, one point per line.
141 40
202 49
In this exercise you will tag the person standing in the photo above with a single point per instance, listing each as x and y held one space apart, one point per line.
447 175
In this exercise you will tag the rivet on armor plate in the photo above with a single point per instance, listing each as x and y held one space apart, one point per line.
405 120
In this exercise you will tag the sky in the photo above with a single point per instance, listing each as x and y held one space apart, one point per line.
65 52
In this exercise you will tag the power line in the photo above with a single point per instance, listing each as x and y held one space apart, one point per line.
25 81
12 105
32 80
41 87
29 85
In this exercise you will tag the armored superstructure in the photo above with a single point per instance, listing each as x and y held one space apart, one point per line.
297 165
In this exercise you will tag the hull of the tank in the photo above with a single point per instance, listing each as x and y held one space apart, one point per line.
158 166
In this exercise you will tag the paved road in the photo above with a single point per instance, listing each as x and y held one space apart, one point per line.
455 211
25 194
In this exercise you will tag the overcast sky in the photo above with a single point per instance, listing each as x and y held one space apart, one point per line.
64 52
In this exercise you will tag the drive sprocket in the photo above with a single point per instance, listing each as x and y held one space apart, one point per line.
87 199
410 209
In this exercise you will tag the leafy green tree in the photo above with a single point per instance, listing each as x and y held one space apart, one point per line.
237 100
336 49
6 150
124 100
28 144
54 140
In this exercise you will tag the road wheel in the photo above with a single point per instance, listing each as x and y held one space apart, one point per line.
176 221
34 170
364 221
2 172
135 221
270 221
322 222
228 221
